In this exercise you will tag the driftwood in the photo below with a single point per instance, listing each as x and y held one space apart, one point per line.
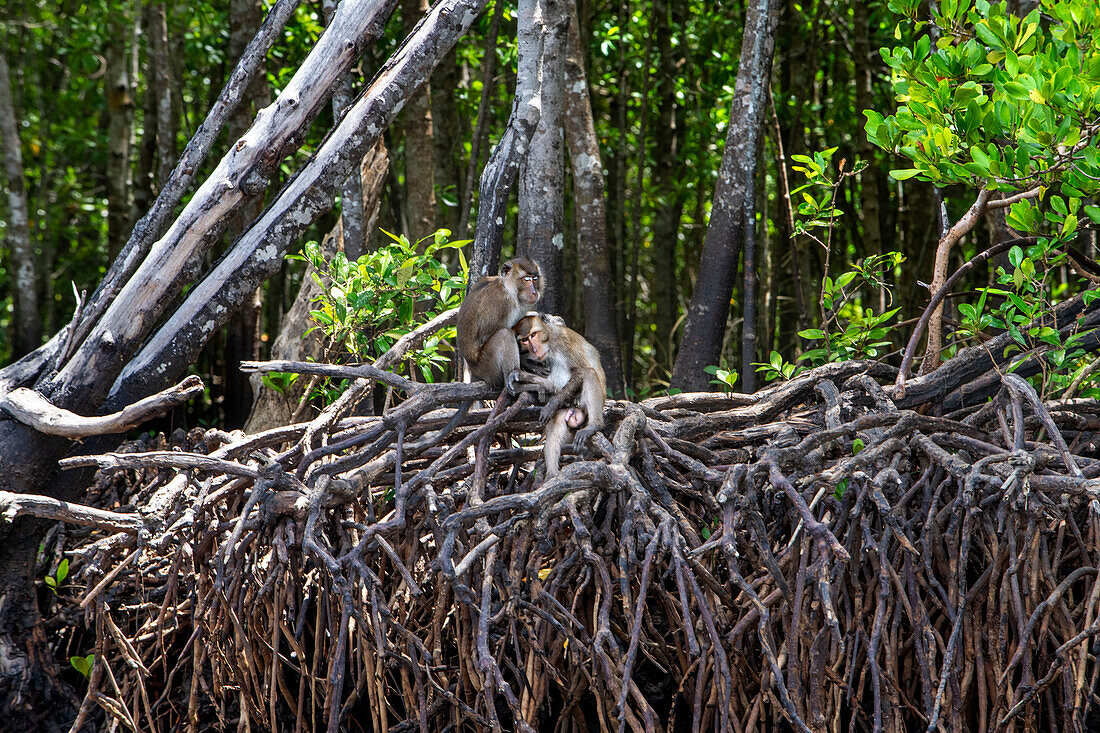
812 556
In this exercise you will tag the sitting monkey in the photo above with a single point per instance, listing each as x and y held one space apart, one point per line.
569 361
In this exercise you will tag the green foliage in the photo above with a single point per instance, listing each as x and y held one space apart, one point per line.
365 306
83 665
724 378
816 209
777 368
1019 305
281 382
53 582
1000 102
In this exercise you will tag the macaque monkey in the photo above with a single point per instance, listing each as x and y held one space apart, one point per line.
574 364
485 321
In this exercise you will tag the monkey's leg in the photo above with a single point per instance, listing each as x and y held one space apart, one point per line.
555 435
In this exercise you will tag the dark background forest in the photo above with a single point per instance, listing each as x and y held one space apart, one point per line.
108 94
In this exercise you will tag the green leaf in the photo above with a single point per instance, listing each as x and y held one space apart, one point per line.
83 665
905 174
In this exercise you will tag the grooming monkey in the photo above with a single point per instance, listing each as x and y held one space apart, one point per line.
574 363
485 321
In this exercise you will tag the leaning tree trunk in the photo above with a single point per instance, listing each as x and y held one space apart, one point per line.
541 217
588 204
733 207
28 330
98 353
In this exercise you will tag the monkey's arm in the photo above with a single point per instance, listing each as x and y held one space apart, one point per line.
563 396
521 381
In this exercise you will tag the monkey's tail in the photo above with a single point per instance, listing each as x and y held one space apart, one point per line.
455 419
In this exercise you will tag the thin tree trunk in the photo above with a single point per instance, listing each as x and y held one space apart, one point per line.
164 91
616 202
870 178
27 325
120 120
449 131
481 127
542 175
416 121
733 207
503 166
142 191
641 152
600 327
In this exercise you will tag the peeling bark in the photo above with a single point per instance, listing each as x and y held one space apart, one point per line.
540 232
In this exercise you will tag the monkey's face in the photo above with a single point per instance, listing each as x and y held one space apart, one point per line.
523 275
532 338
529 289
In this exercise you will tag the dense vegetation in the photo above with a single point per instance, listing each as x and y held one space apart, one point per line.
661 80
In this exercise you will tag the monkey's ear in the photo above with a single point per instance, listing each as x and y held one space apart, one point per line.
506 268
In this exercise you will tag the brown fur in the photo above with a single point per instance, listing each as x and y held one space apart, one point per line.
573 364
486 317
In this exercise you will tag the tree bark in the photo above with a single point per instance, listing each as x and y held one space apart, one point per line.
542 174
600 327
164 90
27 324
120 121
733 207
507 157
416 121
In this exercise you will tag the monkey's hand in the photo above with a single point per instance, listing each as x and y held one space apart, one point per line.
580 442
547 412
511 382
